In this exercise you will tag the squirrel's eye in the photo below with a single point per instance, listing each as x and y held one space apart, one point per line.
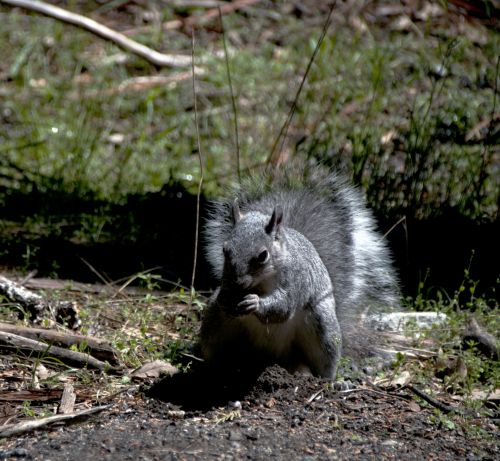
263 256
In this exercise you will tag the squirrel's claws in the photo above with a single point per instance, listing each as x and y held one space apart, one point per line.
249 304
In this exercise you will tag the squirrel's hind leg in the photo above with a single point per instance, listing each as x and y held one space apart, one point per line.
320 339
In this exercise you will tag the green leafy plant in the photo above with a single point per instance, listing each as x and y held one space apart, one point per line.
459 366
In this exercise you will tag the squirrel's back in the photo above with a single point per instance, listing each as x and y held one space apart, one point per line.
331 214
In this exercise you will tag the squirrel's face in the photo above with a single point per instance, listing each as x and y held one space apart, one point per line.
250 251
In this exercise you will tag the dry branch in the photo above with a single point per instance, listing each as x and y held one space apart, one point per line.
33 395
37 306
197 3
34 303
437 403
98 348
111 291
11 341
154 57
27 426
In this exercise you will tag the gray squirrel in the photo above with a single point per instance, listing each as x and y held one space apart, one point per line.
299 266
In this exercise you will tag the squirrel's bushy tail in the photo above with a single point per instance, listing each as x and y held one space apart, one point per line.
331 213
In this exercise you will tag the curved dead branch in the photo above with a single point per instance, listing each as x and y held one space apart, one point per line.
154 57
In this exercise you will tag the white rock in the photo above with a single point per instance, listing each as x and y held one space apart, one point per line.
398 321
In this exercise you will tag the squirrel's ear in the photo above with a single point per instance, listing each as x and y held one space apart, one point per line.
236 211
275 222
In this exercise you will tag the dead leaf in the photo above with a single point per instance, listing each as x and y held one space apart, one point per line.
41 372
402 379
414 406
154 370
270 403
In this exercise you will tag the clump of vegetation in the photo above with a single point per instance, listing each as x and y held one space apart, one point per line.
463 350
409 111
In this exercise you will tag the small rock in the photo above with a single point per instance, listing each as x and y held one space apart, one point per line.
236 404
391 443
343 385
398 321
252 435
270 403
176 414
235 436
15 453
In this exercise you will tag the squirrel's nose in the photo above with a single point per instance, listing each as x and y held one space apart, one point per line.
244 282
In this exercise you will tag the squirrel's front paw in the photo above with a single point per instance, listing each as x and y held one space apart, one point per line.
249 304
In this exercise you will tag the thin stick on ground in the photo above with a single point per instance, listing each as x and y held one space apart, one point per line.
16 343
98 348
154 57
436 403
36 307
27 426
104 279
233 100
200 183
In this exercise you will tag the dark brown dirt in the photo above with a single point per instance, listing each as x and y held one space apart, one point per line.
279 417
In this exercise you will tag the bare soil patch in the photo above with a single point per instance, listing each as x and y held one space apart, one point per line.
278 417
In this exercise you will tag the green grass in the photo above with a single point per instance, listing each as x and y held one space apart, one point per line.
392 108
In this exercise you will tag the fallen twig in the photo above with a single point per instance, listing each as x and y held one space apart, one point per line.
98 348
36 306
314 396
275 157
27 426
34 303
200 182
33 395
78 287
154 57
12 341
436 403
